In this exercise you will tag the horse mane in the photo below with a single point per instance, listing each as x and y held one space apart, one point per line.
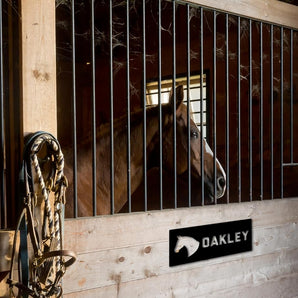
120 124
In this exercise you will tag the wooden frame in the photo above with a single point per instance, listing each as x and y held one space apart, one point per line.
123 254
39 66
38 87
271 11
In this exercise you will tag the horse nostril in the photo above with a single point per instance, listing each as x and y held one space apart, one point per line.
221 182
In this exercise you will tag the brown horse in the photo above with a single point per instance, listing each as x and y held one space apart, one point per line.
84 187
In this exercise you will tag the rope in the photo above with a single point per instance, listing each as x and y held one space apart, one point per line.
48 265
53 221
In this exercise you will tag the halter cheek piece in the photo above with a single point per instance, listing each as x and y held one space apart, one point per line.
40 275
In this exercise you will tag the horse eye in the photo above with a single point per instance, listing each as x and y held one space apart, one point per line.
194 134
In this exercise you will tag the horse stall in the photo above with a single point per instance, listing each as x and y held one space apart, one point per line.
178 124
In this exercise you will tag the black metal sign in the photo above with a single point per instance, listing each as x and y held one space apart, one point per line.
193 244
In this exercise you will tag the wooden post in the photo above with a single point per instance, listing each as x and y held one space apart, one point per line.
38 86
38 66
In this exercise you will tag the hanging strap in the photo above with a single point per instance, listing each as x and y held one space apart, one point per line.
23 255
39 271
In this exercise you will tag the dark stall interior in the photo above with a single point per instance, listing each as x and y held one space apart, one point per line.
235 155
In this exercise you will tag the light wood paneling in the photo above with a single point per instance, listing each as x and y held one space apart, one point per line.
266 10
39 66
107 232
125 254
285 286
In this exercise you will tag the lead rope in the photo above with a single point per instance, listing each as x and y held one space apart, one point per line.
53 223
48 265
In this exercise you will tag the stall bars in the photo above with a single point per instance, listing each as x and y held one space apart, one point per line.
202 10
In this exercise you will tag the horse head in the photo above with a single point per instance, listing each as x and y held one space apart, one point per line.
210 182
190 243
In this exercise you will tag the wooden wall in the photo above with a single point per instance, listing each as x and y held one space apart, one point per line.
128 255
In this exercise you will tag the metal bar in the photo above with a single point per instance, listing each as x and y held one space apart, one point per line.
93 113
292 98
250 110
261 114
144 109
271 115
214 107
239 107
112 173
174 105
3 206
294 164
160 106
188 109
227 112
128 109
201 103
281 110
75 167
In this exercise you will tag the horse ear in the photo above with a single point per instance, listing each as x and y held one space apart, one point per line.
179 96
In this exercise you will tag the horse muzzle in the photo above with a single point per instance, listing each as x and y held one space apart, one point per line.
219 186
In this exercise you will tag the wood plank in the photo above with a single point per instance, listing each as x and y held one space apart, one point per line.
6 242
266 10
283 286
105 267
206 279
108 232
110 291
39 66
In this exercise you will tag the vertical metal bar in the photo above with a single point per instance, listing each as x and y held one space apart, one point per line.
250 110
144 109
188 108
160 106
239 107
75 167
227 112
214 107
128 108
201 103
3 210
271 115
261 113
292 98
281 111
112 174
93 113
174 107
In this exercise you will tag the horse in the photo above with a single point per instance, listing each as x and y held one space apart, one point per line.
103 169
191 244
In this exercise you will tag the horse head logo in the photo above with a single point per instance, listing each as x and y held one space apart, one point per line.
191 244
